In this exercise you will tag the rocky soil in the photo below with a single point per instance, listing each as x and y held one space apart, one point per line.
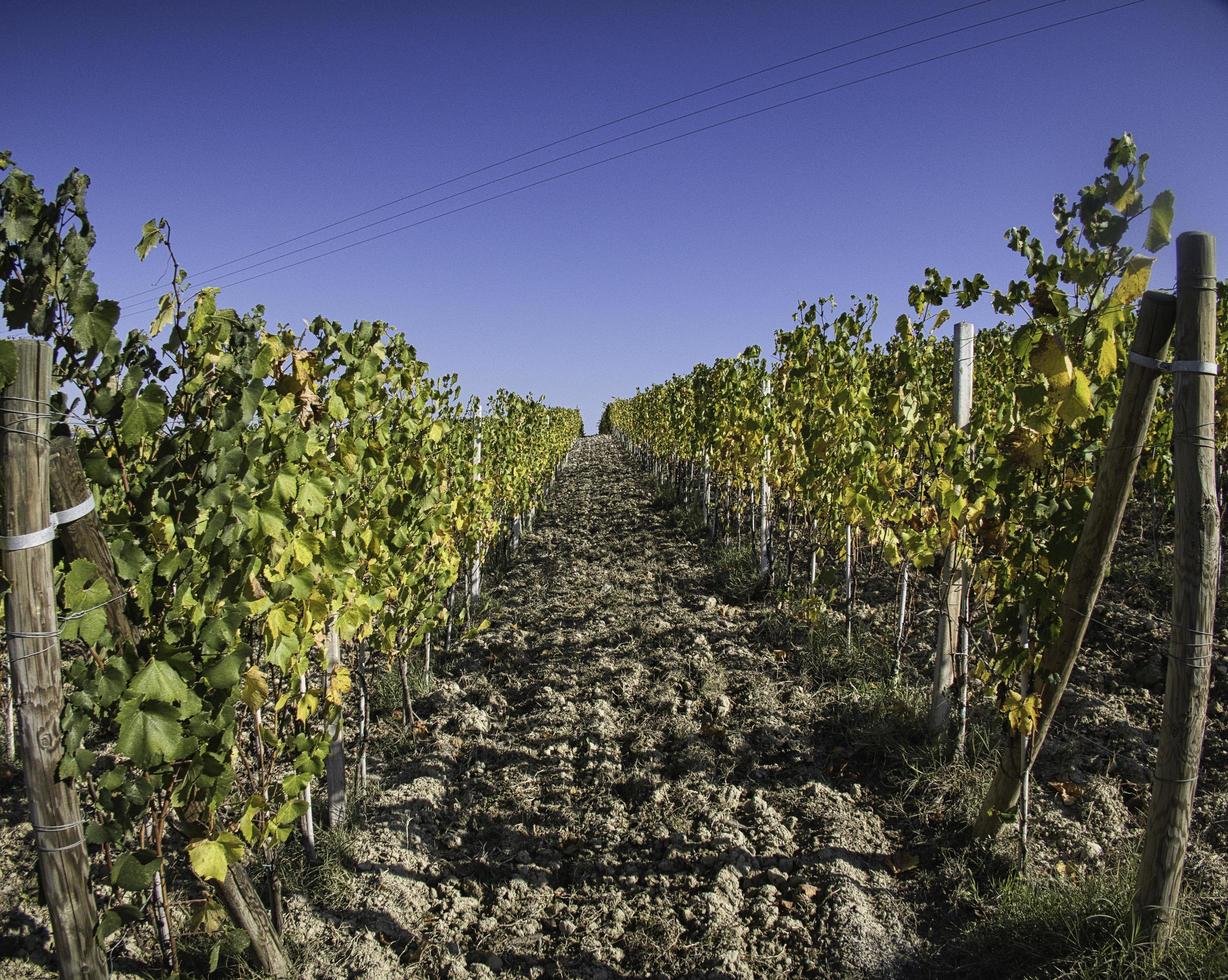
619 781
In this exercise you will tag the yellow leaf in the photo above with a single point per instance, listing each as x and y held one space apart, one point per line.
1049 358
1077 404
1133 282
307 706
1106 362
1022 713
210 858
255 689
338 684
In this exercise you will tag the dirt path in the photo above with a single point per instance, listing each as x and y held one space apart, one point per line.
618 781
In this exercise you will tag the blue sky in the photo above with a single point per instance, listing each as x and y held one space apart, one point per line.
246 124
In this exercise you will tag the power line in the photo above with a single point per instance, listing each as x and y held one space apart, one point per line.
636 132
671 139
577 135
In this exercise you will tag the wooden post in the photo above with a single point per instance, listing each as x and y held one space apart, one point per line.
961 665
334 764
765 494
475 569
83 537
706 492
34 658
1090 562
1025 743
1196 570
240 897
954 569
848 588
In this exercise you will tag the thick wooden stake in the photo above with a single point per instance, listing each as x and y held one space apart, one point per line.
1090 562
334 764
848 588
84 538
953 567
765 498
1196 576
1025 744
10 719
34 658
961 666
475 568
240 897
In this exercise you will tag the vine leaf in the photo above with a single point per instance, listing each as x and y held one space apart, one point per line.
142 415
1159 228
211 858
149 732
135 870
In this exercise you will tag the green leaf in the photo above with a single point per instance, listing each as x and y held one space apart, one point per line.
1159 228
224 674
151 237
313 497
164 316
135 870
149 733
159 681
142 415
95 328
85 589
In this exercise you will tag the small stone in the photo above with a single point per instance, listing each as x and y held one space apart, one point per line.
567 927
1092 851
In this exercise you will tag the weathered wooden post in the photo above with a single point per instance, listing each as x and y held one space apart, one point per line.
1090 562
34 658
475 569
954 571
80 532
1196 576
765 492
334 764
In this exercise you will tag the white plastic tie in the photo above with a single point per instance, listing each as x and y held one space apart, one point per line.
33 539
1174 367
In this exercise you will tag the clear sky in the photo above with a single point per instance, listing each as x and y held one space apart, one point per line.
246 124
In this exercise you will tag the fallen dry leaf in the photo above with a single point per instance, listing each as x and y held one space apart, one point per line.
1067 792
